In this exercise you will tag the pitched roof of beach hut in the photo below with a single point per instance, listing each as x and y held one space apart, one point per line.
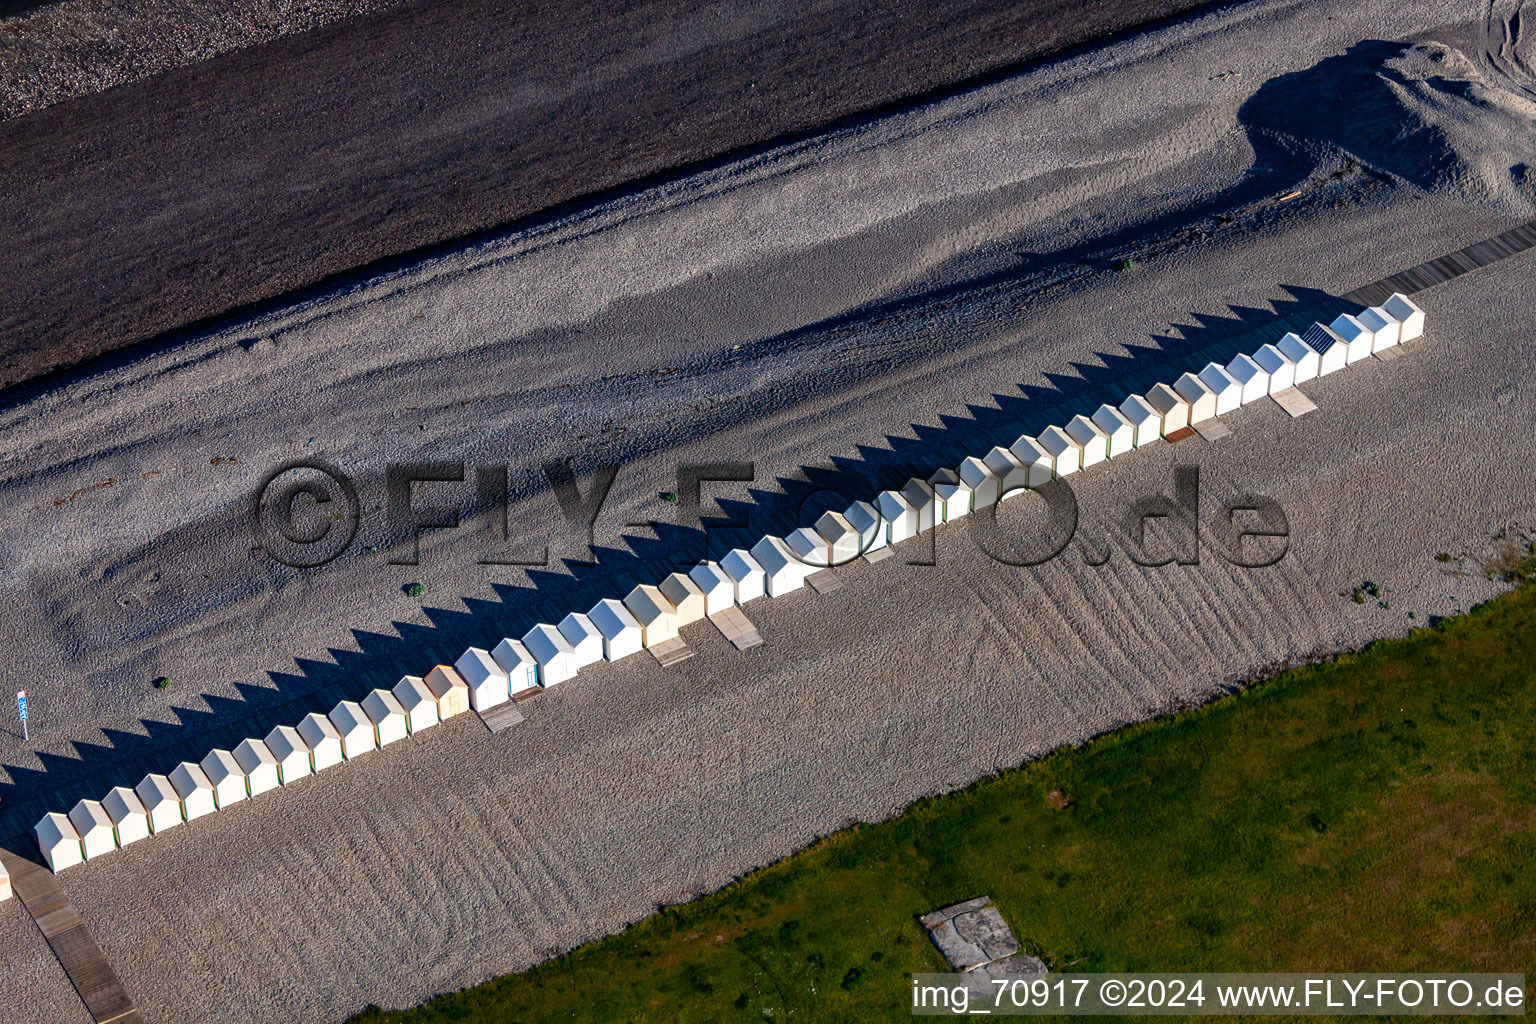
1250 377
258 764
406 709
323 740
1116 428
1173 407
387 716
292 754
195 789
584 637
228 778
657 617
522 671
843 541
685 596
1146 422
985 486
1280 368
1332 350
866 519
782 570
94 827
451 691
58 841
1201 399
1407 313
355 728
130 820
621 632
1228 392
1040 463
718 589
1066 454
750 580
899 515
1094 442
160 802
1302 355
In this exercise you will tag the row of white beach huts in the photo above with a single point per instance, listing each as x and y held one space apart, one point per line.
548 655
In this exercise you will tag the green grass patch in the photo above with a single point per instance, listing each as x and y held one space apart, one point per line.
1375 813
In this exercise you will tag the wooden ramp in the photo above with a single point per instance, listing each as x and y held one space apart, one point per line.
738 629
502 716
71 941
670 652
1294 402
1212 429
824 582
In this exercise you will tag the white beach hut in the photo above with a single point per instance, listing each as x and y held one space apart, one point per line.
746 575
58 841
810 547
94 826
620 630
323 740
553 653
1201 399
1384 328
259 765
1355 335
1250 376
1012 475
1280 368
1094 442
899 515
195 789
387 716
1303 356
489 685
843 541
1408 315
1332 350
1032 454
719 592
584 637
1066 454
1172 408
451 691
872 529
952 497
129 818
522 671
657 617
229 783
1228 392
1146 423
782 570
924 502
5 883
421 706
685 596
292 755
355 728
984 484
1116 428
160 802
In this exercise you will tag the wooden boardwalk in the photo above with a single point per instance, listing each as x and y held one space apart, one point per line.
738 629
71 941
1451 265
502 716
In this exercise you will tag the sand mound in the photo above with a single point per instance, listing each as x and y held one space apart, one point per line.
1425 112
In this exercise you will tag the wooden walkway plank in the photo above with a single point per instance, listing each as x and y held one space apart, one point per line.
738 629
71 942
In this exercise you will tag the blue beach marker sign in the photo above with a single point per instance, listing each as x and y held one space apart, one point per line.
21 709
